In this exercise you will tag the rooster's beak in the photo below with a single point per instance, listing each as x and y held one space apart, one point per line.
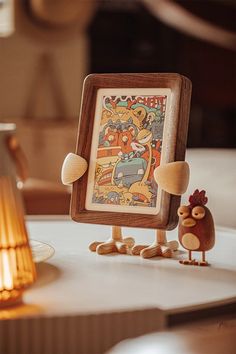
189 222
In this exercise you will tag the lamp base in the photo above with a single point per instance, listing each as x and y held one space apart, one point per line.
14 298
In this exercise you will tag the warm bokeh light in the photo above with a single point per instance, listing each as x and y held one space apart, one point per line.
6 18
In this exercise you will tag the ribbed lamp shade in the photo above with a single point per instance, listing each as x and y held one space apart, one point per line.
17 269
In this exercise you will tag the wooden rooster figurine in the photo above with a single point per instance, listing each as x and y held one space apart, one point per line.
196 227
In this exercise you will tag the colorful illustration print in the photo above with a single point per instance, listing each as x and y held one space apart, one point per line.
129 149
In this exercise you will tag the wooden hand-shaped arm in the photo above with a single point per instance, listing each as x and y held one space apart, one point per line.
173 177
73 168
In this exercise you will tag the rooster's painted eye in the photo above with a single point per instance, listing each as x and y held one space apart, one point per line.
183 211
198 212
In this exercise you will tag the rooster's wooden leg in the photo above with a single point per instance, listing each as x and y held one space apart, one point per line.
189 260
203 262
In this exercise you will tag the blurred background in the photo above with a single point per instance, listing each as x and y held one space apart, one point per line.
47 47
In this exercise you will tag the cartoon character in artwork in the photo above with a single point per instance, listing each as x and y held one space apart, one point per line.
141 188
155 123
114 111
125 140
109 135
127 199
111 138
127 134
129 171
156 158
113 198
196 227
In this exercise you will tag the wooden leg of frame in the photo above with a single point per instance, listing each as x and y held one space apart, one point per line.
106 247
137 249
93 246
129 241
166 251
121 247
115 244
146 251
151 251
159 248
167 247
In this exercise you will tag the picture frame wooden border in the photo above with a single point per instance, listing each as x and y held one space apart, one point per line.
177 120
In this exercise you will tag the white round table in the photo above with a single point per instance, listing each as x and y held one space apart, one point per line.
85 303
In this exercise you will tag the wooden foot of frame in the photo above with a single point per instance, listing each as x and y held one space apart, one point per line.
160 247
115 244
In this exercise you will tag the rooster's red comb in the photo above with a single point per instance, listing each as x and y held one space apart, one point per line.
198 198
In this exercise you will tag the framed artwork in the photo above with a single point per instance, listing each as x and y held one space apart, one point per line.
129 125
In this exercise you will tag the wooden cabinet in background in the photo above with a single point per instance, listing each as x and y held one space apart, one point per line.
128 38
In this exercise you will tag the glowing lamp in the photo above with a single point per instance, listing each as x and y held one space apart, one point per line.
17 270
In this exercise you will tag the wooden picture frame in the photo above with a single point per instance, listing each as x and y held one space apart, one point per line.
122 88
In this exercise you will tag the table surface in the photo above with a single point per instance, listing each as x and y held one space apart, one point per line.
86 303
77 281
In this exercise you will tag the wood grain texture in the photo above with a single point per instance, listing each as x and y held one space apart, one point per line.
173 177
203 230
196 227
73 168
175 141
